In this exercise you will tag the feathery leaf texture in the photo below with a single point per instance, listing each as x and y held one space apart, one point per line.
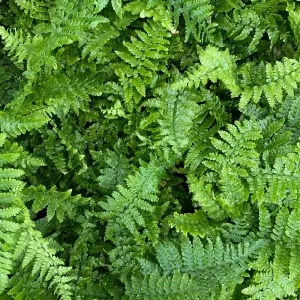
149 149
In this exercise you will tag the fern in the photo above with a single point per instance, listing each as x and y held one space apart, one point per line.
195 224
59 204
36 252
16 126
215 65
197 16
10 209
116 171
293 11
157 10
250 24
15 220
279 278
164 287
174 111
36 9
146 54
238 145
178 270
131 208
149 149
274 185
280 78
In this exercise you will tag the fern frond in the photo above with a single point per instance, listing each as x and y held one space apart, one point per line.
59 204
294 18
234 158
195 224
274 185
36 252
279 78
132 207
196 262
36 9
157 10
114 174
15 126
95 44
145 55
203 195
16 43
11 211
197 16
178 113
214 65
162 287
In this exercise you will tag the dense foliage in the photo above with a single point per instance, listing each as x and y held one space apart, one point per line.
149 149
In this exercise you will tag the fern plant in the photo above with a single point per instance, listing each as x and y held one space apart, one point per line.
149 149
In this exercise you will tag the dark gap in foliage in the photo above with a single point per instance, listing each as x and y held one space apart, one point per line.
88 124
235 113
181 189
41 214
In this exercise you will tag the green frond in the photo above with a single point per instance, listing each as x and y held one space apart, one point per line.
265 224
198 18
266 288
117 6
280 78
36 252
95 45
132 207
149 149
178 114
115 172
145 55
21 238
249 25
197 263
11 211
16 43
157 10
214 65
203 196
15 125
6 267
274 184
289 111
192 223
294 18
27 288
277 274
36 9
239 144
59 204
229 165
178 286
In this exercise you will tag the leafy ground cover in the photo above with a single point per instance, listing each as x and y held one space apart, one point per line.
149 149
